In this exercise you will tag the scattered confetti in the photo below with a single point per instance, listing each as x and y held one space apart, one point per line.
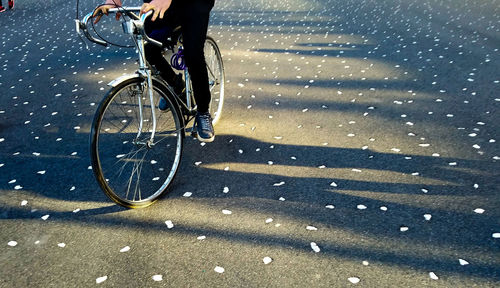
169 224
157 277
219 269
383 71
354 280
101 279
463 262
315 247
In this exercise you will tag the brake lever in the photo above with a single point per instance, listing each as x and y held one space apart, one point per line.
79 33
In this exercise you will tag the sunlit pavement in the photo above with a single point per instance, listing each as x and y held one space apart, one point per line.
357 147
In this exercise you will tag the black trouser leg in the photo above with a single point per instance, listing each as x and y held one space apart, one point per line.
193 16
194 22
158 30
154 56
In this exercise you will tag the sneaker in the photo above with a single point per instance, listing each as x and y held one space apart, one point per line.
204 127
11 4
2 9
163 105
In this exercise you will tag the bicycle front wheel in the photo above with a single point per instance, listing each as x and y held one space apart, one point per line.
216 78
132 167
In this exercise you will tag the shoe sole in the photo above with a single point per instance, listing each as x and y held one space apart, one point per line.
204 139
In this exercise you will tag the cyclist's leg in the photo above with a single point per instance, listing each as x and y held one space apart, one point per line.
194 22
160 30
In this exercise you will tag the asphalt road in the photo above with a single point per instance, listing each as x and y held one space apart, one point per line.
357 147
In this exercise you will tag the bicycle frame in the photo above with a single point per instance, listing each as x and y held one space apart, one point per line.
133 25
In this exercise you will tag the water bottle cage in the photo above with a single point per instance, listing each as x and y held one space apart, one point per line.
177 60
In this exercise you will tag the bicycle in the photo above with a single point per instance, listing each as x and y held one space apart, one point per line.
136 148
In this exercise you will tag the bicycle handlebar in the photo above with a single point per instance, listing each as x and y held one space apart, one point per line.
133 26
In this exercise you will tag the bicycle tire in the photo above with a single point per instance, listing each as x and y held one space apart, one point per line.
131 172
216 78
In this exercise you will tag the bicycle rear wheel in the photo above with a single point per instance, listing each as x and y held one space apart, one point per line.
131 170
216 78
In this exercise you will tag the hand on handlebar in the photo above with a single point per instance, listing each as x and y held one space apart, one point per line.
159 8
103 9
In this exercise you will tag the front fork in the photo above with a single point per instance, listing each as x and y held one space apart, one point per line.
145 72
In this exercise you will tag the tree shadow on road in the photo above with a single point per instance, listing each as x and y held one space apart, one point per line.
306 197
